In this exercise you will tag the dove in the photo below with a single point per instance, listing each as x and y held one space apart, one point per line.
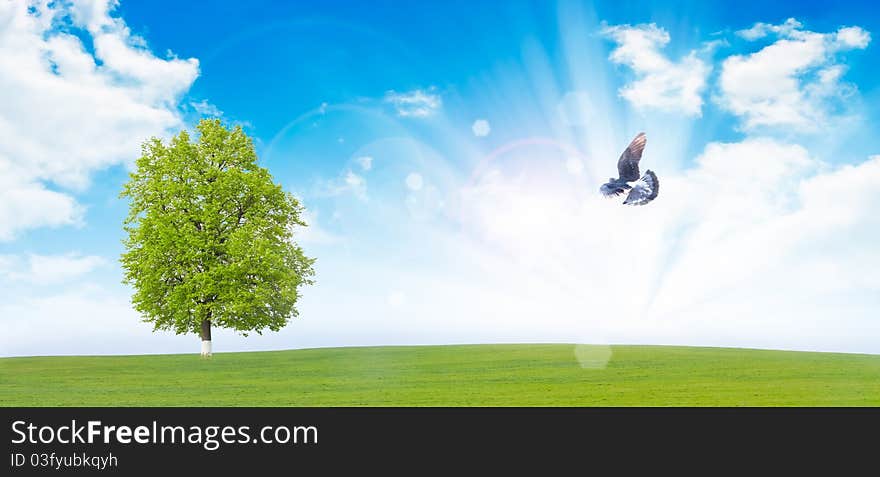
645 188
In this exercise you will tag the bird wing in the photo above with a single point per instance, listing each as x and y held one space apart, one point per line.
645 190
628 164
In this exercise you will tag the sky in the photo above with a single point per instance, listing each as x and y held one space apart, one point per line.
449 156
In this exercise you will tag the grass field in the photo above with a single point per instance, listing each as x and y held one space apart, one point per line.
467 375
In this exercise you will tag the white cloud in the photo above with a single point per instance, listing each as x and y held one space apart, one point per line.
47 269
314 233
27 204
759 244
66 112
414 181
354 182
660 83
794 82
481 128
418 103
760 29
205 108
349 182
82 319
366 162
794 238
853 37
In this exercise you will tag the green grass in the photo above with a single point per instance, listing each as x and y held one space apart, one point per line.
468 375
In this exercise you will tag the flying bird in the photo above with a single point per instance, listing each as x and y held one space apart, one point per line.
645 188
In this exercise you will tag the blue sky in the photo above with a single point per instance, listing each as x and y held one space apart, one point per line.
449 155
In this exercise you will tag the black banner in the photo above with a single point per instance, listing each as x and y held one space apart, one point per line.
230 441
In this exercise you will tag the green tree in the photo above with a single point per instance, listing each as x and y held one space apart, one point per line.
210 237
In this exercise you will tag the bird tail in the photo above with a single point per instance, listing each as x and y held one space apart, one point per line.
652 180
645 190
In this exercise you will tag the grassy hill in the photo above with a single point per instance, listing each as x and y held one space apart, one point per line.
467 375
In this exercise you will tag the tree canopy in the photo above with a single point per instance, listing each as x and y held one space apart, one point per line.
210 236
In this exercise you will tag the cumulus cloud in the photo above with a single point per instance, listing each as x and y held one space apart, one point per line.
660 83
794 239
795 82
758 244
47 269
26 203
761 29
348 182
418 103
205 108
853 37
67 110
83 319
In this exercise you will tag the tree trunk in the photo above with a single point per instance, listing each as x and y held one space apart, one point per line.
205 334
